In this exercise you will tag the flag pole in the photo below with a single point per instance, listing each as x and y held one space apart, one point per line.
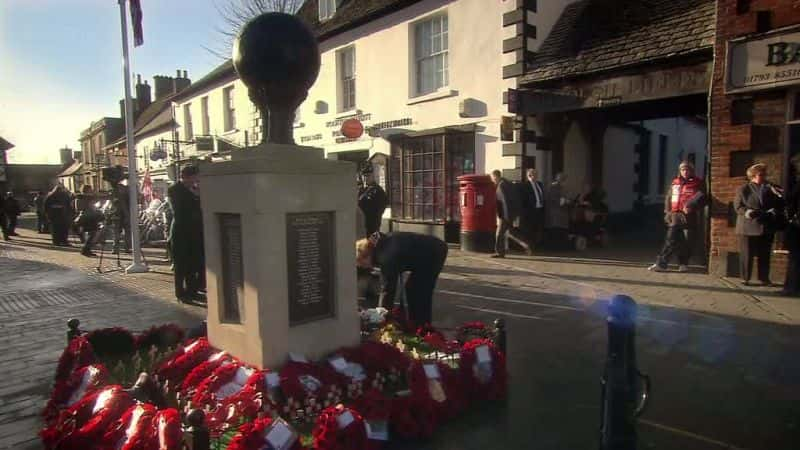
137 266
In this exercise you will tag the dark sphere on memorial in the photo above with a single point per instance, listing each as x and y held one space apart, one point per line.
276 49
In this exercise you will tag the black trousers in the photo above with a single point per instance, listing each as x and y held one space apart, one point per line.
91 235
41 223
12 223
679 240
372 223
751 247
792 282
190 275
505 230
59 230
419 292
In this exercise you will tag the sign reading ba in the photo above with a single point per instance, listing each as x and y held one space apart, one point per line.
767 61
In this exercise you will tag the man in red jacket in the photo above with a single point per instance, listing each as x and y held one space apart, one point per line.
681 205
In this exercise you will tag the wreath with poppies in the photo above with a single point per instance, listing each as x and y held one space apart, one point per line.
84 423
182 361
489 384
340 428
252 436
133 430
78 353
66 393
201 371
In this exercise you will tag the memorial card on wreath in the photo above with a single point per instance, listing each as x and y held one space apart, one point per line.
310 266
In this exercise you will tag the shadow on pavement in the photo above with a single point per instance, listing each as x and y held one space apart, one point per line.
718 382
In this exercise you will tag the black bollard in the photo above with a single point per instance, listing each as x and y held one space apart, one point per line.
73 331
196 435
500 334
621 400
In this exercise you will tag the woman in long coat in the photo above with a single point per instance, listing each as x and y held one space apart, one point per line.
759 208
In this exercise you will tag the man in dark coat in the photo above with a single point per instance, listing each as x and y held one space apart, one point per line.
508 210
13 210
533 196
186 237
120 217
395 253
59 212
3 218
759 209
791 285
41 215
372 201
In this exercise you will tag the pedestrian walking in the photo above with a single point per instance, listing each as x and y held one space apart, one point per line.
186 237
533 207
395 253
759 209
41 215
13 211
59 213
681 210
791 285
372 201
508 210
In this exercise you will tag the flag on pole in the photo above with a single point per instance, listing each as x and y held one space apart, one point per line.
147 187
136 18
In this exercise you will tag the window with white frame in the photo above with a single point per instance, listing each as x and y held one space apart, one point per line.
205 124
430 53
346 67
229 107
188 131
327 8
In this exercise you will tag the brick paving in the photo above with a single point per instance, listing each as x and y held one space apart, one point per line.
694 327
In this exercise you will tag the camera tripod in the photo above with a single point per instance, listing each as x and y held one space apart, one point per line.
103 234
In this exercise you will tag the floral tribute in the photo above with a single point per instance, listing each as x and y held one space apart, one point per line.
400 382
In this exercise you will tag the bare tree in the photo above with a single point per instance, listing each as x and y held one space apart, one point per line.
236 13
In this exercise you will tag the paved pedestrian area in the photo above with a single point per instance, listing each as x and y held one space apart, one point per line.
722 358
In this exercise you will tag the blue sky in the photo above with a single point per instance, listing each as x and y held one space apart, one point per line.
61 64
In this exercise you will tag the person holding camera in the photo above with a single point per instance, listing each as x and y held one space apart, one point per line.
88 221
759 209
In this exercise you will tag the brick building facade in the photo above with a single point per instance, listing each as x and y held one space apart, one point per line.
755 101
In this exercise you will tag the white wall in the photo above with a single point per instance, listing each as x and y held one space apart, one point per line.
576 159
383 80
683 137
619 159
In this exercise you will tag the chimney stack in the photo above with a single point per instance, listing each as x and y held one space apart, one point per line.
181 82
143 98
164 86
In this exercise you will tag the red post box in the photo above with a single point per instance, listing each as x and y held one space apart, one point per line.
478 213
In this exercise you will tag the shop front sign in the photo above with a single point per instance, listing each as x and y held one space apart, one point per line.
768 61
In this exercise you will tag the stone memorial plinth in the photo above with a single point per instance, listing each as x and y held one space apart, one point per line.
279 225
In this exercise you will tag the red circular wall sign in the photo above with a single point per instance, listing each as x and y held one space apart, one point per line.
352 128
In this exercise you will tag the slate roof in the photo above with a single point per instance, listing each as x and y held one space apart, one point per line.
157 115
349 14
597 35
5 145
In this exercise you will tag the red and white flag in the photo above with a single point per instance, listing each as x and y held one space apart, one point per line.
147 187
136 18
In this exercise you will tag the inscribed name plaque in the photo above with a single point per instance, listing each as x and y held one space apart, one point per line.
230 226
310 266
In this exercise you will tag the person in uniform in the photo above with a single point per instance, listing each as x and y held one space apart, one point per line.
395 253
186 237
41 215
372 201
13 210
59 213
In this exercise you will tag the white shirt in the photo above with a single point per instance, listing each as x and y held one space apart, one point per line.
537 192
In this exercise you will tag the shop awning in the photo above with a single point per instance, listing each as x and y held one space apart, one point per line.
467 128
73 169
